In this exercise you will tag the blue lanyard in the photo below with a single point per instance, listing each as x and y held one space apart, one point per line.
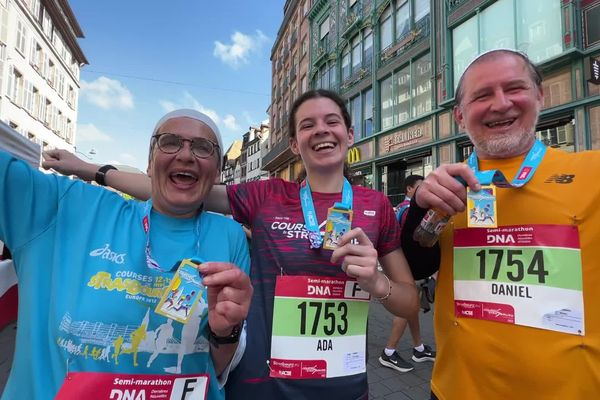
310 216
151 262
528 167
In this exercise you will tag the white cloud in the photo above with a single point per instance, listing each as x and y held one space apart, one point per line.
89 133
241 47
127 158
107 93
230 122
190 101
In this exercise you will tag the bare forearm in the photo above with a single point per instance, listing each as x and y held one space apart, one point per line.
136 185
217 200
222 356
403 298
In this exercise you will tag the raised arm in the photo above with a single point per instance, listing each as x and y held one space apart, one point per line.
136 185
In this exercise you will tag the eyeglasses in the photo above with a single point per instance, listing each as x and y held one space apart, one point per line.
171 143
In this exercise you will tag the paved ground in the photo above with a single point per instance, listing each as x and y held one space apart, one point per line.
389 384
385 383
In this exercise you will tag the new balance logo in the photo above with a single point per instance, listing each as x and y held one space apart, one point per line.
560 178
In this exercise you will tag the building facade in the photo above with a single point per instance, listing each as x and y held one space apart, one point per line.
397 63
230 159
251 148
40 63
290 69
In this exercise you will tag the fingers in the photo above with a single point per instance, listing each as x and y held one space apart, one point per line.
223 274
345 247
443 188
50 157
229 294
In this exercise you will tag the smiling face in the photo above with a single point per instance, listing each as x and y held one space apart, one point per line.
322 138
181 181
499 106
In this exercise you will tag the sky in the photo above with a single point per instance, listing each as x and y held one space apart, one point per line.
150 57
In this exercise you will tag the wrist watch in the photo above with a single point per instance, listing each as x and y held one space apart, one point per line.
101 174
233 337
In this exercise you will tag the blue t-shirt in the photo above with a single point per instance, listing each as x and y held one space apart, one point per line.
86 295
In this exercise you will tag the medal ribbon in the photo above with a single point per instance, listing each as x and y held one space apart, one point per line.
310 216
528 167
151 262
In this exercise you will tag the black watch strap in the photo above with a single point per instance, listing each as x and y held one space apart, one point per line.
233 337
101 174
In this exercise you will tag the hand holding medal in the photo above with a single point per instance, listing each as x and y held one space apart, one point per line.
229 292
359 261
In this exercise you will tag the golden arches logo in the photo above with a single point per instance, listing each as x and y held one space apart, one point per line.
353 155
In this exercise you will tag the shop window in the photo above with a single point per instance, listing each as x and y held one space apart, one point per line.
559 135
591 16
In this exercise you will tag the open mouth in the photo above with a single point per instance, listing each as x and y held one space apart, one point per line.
323 146
183 178
501 124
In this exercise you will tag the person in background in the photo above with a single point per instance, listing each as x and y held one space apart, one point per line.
519 297
93 267
421 352
307 321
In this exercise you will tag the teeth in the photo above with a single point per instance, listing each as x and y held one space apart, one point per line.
184 175
507 121
323 146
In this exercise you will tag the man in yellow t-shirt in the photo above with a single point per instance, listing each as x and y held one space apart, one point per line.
515 304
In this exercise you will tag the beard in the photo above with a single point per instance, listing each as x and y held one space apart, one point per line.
504 146
508 145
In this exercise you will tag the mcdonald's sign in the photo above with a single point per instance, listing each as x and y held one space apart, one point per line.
353 155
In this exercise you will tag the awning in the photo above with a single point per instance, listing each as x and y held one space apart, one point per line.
19 146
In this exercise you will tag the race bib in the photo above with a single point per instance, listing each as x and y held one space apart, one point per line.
109 386
528 275
319 328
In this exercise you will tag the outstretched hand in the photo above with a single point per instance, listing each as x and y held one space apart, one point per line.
359 261
229 293
66 163
442 190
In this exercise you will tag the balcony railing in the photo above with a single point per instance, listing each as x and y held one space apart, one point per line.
406 41
352 21
356 77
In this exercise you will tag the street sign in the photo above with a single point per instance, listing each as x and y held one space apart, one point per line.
595 70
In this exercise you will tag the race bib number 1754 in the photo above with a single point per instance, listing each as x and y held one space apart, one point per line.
527 275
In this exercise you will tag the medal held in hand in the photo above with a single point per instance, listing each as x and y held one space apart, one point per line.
182 294
339 222
481 207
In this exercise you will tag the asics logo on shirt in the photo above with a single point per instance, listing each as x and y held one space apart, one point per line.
560 178
107 254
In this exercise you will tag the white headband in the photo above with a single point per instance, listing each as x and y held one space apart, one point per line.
198 116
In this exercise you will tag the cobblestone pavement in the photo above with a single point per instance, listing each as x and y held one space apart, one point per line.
384 383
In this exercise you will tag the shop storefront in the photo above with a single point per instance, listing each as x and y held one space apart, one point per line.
411 158
359 161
